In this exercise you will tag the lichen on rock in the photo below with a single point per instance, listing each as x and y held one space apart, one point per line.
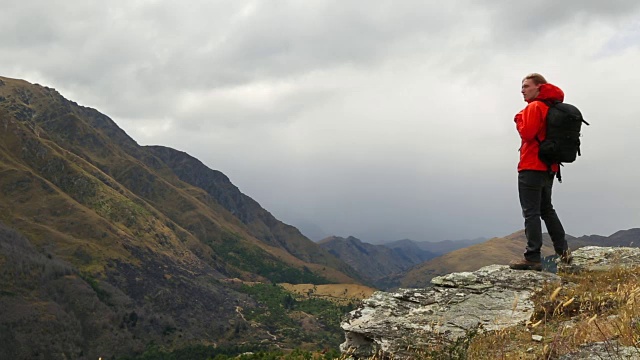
399 323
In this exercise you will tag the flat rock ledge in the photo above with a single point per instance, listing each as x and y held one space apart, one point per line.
401 323
398 325
596 258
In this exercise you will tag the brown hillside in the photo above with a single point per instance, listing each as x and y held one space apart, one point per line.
499 250
504 249
72 157
375 263
109 224
340 293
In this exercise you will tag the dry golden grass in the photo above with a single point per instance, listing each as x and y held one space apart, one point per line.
585 308
340 293
589 307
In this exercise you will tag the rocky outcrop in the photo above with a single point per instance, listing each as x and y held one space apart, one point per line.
400 323
596 258
501 250
494 297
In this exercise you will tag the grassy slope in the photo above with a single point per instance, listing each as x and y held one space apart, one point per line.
127 227
144 199
339 293
600 307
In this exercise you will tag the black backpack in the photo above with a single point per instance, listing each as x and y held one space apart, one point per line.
562 144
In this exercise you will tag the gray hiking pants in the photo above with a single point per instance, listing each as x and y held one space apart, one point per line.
534 189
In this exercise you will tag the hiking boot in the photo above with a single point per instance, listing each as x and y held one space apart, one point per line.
565 257
525 264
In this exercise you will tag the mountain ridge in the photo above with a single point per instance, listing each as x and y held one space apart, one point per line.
377 263
131 173
501 250
138 242
437 247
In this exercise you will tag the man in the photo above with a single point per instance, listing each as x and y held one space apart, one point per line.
535 178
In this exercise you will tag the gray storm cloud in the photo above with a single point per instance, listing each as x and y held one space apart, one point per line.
381 120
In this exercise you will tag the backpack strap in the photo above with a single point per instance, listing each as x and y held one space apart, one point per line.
558 175
551 103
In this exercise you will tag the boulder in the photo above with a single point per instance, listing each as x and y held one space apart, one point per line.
405 321
402 323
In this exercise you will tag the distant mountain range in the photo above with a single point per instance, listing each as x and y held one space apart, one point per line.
382 264
374 262
434 247
407 263
501 250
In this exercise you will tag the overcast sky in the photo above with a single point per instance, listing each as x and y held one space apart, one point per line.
378 119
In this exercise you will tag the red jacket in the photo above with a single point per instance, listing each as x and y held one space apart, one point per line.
531 123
